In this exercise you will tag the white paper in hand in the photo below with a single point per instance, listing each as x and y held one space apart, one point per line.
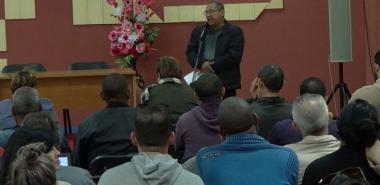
189 77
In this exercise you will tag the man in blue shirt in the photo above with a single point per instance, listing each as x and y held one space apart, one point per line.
244 157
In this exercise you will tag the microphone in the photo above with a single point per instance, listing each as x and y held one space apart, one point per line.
202 33
198 54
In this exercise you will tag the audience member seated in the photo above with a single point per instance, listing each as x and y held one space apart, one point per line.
311 117
359 127
170 91
32 167
244 157
25 100
199 128
283 132
267 102
152 165
21 79
107 132
71 174
24 136
371 93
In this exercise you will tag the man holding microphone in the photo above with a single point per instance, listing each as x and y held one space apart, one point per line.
217 47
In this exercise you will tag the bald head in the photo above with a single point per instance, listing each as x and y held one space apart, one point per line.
234 116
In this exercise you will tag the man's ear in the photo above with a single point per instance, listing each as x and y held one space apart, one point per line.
223 91
294 124
260 83
13 111
102 95
331 118
134 139
256 122
222 135
171 138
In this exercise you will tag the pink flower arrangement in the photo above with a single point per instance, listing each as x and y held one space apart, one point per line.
133 37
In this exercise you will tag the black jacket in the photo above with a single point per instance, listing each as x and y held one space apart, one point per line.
228 53
106 132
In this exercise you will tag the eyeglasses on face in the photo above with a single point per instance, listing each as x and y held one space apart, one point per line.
210 11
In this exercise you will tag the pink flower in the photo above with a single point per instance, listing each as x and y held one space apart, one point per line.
141 35
126 25
139 27
127 10
128 44
112 36
115 51
147 2
112 2
124 51
140 48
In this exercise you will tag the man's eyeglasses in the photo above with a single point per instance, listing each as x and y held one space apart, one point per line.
354 173
211 11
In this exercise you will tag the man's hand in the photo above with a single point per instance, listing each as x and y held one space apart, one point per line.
206 67
254 88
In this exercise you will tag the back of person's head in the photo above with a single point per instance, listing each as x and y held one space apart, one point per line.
24 136
168 67
153 127
358 124
377 58
32 167
234 117
115 87
26 100
313 85
41 120
272 76
208 85
310 113
23 78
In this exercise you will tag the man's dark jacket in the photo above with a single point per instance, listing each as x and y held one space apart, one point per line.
228 53
106 132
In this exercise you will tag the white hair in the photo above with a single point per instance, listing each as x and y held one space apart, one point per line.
26 100
310 114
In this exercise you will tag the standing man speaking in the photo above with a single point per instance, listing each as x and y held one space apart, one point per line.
217 47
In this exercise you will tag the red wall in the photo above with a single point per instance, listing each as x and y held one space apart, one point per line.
295 37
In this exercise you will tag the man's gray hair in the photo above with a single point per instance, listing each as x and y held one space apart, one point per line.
26 100
218 3
310 114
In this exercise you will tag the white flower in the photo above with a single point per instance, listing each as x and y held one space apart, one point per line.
117 12
133 37
121 40
141 17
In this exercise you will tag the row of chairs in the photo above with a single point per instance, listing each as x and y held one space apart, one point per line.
12 68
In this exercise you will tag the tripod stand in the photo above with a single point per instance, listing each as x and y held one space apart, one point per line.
342 87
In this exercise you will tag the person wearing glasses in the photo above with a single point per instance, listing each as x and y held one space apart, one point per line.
217 47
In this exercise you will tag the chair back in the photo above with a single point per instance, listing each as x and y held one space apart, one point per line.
35 67
100 164
88 65
14 68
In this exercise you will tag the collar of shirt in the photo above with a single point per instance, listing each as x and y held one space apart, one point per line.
164 80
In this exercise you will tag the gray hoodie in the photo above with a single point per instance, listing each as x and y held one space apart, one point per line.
150 169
